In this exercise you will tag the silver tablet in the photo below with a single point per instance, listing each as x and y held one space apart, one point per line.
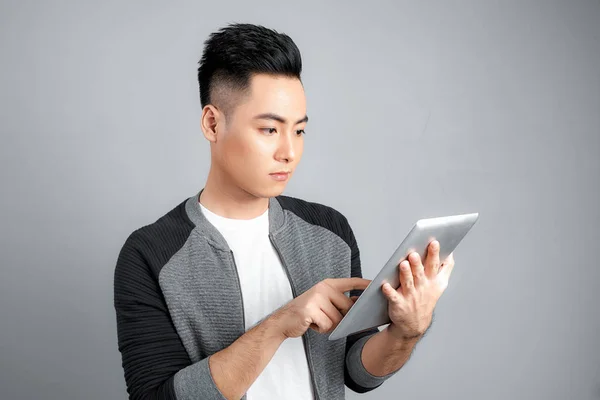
371 308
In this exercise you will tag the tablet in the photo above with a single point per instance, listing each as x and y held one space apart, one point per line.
371 308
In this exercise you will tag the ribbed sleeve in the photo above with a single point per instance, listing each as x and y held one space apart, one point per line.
150 348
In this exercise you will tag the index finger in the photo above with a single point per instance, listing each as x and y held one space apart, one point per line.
346 284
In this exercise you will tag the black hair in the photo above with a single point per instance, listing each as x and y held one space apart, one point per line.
236 52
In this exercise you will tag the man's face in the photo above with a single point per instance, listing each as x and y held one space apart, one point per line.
260 145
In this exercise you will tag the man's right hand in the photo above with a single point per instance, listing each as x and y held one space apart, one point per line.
321 307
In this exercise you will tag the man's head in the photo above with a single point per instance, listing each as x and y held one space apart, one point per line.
254 107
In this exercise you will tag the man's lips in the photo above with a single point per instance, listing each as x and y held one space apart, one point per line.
280 175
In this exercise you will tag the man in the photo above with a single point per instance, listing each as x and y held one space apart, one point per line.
231 294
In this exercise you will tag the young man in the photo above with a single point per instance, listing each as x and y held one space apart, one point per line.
231 294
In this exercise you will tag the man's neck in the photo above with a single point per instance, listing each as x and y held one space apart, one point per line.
230 201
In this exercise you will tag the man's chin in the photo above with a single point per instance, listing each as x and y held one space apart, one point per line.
269 192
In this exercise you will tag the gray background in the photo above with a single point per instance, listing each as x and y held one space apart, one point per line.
417 109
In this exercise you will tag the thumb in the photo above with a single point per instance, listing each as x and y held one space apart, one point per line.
390 293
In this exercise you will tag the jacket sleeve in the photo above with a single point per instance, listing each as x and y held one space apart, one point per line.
356 377
154 360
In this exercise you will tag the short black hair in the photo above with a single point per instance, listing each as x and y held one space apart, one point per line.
236 52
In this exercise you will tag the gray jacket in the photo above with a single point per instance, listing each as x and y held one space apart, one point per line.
178 299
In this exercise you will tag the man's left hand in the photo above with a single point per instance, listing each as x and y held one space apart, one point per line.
411 305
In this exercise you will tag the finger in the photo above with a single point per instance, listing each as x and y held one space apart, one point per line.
407 283
449 259
339 300
354 298
390 293
321 322
346 284
432 261
332 313
417 268
447 266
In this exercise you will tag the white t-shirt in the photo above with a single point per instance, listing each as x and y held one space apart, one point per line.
265 287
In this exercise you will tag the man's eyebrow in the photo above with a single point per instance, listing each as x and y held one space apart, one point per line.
278 118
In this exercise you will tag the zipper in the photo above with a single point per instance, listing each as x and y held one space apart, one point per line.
304 338
237 274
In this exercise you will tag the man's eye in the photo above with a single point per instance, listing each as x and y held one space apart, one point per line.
300 132
269 131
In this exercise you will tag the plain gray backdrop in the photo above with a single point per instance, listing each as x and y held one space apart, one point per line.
416 109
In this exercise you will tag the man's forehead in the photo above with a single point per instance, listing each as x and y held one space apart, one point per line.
282 93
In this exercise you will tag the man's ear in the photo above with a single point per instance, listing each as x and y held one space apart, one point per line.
212 119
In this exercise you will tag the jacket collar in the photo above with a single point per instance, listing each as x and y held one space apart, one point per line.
212 234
